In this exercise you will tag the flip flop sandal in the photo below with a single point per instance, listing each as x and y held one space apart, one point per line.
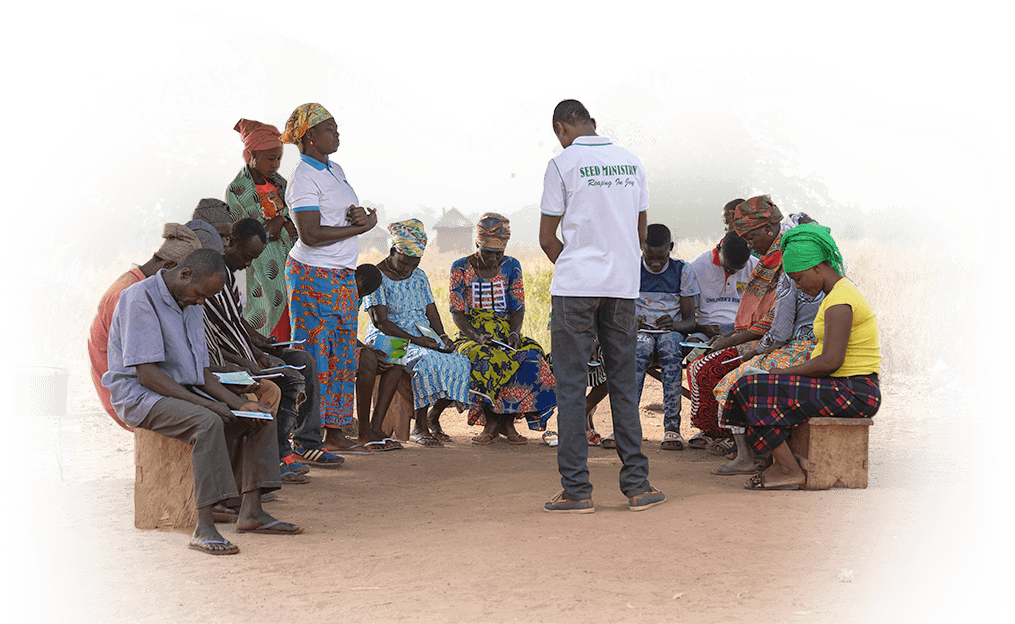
275 527
517 439
484 439
224 515
697 442
609 442
378 446
757 482
440 435
726 471
393 444
293 478
203 547
425 440
550 438
675 438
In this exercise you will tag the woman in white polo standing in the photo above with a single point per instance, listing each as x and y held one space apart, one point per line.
320 269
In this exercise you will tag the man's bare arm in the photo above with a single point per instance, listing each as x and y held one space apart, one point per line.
548 240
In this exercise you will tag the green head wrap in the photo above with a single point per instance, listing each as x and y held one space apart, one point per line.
809 245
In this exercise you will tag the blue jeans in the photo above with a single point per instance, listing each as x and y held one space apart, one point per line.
576 323
304 424
668 347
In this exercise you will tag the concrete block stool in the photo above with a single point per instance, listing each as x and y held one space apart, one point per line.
832 451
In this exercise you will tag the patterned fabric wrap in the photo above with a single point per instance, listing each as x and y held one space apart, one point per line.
702 376
408 237
256 136
493 231
305 117
180 240
793 353
769 406
322 304
809 245
754 213
435 375
519 382
267 291
757 303
211 210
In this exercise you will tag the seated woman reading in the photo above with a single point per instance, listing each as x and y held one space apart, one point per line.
487 298
788 343
841 377
398 309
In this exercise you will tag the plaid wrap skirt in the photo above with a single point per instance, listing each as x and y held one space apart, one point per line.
769 406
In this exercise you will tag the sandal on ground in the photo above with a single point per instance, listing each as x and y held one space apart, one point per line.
517 439
723 447
697 442
726 471
550 438
757 482
224 515
609 442
594 438
393 444
425 439
275 527
672 441
484 439
288 477
440 435
205 546
378 446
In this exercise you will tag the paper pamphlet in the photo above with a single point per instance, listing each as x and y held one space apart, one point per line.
503 345
268 376
239 378
257 415
278 368
288 343
392 349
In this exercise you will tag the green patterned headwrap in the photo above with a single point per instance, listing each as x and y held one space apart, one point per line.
809 245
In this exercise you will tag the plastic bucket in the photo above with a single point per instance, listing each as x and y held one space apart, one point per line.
38 391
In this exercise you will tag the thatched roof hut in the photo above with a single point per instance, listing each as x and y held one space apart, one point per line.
453 232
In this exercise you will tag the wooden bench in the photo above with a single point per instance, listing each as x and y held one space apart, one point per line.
163 483
832 451
397 420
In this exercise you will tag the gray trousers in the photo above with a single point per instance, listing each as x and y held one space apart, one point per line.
228 459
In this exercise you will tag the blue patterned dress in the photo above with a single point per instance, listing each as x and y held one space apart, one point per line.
435 375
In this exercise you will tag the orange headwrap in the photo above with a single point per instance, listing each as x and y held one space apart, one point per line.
256 136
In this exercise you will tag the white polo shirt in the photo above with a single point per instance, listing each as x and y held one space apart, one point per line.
718 294
598 189
323 187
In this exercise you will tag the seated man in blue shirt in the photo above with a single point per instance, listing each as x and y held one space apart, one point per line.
158 358
665 312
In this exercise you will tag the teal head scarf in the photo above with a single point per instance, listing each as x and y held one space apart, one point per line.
809 245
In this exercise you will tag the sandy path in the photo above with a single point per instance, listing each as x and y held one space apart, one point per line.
458 535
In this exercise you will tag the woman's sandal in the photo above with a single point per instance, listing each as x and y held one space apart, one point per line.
757 482
697 442
425 439
609 442
517 439
440 435
484 439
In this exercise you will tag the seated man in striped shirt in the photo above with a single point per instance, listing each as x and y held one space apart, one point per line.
298 412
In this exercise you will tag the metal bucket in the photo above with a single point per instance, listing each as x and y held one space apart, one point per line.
38 391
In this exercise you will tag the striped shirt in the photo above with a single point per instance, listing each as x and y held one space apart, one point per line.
223 325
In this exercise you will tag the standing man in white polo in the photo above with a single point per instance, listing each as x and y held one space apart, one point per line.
596 193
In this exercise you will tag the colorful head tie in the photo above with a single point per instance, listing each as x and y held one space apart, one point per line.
754 213
256 137
305 117
808 245
408 237
493 231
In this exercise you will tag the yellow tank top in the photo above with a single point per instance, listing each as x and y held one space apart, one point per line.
863 351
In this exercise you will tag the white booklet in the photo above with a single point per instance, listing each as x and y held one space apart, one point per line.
257 415
238 378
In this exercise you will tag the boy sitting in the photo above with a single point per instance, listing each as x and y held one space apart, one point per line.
665 314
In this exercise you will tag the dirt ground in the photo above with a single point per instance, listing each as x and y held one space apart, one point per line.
458 535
